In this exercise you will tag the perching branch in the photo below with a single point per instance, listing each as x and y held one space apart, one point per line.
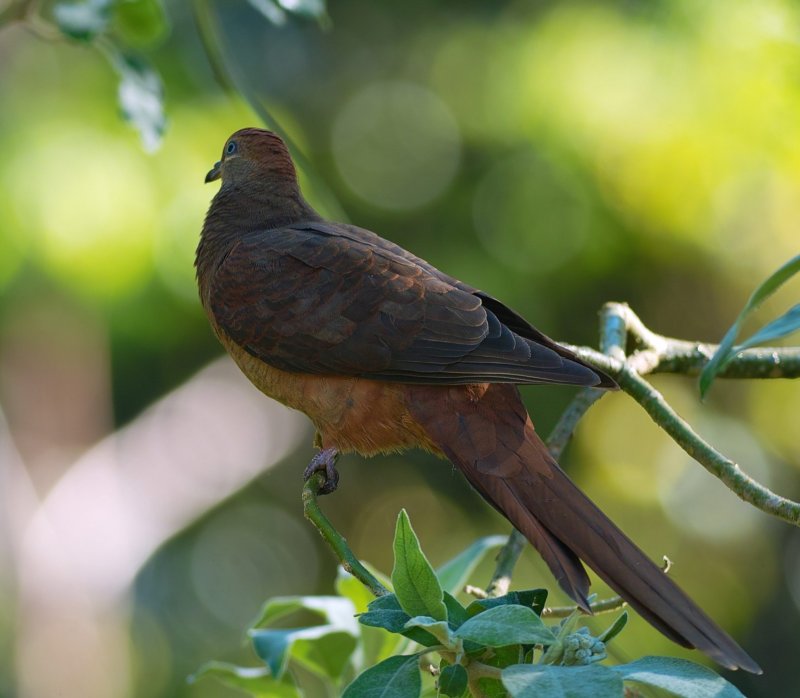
613 603
506 561
562 431
334 539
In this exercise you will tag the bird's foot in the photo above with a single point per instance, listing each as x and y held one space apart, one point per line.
324 462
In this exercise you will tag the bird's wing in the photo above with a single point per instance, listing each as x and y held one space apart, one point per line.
334 299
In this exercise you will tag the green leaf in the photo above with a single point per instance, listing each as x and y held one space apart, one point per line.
327 656
502 656
615 628
453 575
386 613
492 688
453 681
415 583
82 21
777 329
376 643
140 22
506 625
678 677
396 677
536 681
307 645
438 628
533 598
726 350
255 680
335 610
456 613
140 96
323 649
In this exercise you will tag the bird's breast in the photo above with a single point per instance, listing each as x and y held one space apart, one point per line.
350 413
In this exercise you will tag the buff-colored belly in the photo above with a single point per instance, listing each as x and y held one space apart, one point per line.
350 414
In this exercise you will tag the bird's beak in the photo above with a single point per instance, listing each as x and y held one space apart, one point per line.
214 173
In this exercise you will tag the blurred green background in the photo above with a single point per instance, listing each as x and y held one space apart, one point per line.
557 155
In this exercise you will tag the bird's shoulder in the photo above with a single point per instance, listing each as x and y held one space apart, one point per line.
344 248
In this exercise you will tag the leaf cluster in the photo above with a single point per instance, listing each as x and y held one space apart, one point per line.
495 647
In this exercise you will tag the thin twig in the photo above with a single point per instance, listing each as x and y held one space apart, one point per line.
613 603
690 358
506 561
564 428
618 322
336 542
477 592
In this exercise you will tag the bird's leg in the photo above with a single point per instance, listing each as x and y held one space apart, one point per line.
324 462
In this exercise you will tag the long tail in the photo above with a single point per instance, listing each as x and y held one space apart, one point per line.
486 432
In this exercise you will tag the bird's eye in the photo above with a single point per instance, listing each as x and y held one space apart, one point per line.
230 149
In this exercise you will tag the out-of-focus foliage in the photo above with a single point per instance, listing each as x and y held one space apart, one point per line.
111 25
557 155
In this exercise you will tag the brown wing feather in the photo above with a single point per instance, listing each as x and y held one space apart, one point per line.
328 299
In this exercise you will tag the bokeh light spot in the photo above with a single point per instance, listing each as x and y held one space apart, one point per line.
263 561
396 145
87 202
696 501
530 216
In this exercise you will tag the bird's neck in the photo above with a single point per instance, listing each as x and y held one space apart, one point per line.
267 205
234 212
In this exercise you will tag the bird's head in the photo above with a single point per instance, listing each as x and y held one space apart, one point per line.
253 155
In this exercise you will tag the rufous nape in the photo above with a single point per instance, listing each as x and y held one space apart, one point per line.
384 352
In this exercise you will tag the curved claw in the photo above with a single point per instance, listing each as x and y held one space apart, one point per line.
324 462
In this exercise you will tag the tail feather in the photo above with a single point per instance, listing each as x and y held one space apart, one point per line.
487 433
563 562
